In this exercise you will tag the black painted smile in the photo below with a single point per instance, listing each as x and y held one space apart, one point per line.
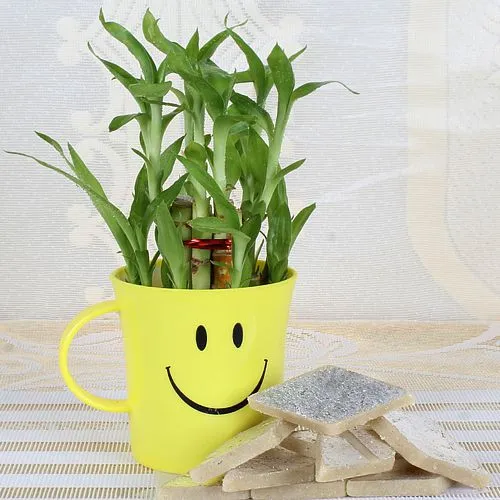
216 411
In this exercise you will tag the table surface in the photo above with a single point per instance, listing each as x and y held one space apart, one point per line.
53 446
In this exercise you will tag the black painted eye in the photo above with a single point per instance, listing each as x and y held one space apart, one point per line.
238 335
201 337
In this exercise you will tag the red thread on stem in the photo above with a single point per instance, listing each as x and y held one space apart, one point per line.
209 244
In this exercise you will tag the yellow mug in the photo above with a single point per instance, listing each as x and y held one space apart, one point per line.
192 359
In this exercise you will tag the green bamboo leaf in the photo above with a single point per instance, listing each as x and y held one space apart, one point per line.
233 164
172 105
216 225
279 239
246 77
309 88
166 276
294 166
150 90
196 152
251 209
141 141
168 157
213 100
243 76
163 71
114 218
141 155
259 249
210 156
297 54
119 121
246 207
251 227
141 198
167 197
153 34
154 260
228 91
279 197
53 143
167 119
223 125
84 174
57 147
142 258
282 74
133 45
255 160
278 271
299 221
193 46
227 123
255 66
225 209
220 80
269 81
178 60
209 48
269 76
181 97
247 106
123 76
171 246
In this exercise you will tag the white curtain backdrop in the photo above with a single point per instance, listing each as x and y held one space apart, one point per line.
405 175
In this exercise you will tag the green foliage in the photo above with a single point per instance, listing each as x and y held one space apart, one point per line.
282 72
279 238
152 91
256 67
133 45
119 121
171 248
225 209
299 221
230 140
247 106
168 157
166 197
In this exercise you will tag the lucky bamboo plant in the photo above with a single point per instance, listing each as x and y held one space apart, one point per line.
229 141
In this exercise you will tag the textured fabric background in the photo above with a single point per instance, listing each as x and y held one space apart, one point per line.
405 175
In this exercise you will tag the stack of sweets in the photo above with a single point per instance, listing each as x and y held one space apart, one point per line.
331 433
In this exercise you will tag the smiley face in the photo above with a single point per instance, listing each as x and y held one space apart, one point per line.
202 340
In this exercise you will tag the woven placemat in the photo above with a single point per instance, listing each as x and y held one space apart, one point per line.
53 446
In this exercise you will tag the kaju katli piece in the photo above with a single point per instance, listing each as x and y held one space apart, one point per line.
403 480
356 453
303 442
184 488
426 445
301 491
242 448
330 400
276 467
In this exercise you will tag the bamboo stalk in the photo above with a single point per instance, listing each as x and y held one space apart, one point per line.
182 212
201 270
200 260
222 261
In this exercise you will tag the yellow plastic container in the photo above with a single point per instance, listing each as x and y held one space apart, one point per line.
192 359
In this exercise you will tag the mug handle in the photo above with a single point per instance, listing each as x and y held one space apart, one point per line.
113 405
